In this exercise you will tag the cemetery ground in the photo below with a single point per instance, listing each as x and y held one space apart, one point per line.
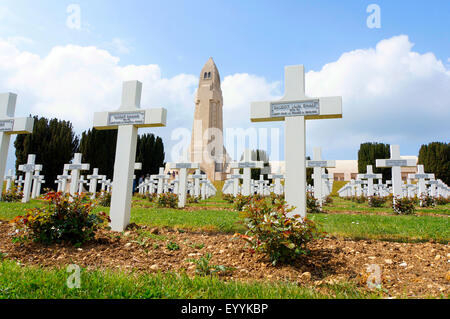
164 254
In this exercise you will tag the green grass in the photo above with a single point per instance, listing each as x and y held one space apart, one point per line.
395 228
367 226
19 282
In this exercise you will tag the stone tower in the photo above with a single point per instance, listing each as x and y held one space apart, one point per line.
207 131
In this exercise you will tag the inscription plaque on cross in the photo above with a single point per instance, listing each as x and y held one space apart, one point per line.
370 176
127 119
10 125
396 163
294 109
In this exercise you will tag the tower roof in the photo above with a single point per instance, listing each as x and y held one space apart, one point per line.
210 72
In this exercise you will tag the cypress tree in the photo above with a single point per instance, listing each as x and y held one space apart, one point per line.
435 157
54 143
368 154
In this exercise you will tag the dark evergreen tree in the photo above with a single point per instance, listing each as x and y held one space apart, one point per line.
99 149
367 155
435 157
259 156
54 144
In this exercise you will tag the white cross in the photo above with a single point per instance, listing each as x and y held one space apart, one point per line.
182 179
63 178
93 182
10 125
127 119
37 181
235 177
317 163
197 177
10 179
80 184
247 164
295 108
161 177
20 182
76 167
370 176
29 168
421 176
261 182
396 162
278 189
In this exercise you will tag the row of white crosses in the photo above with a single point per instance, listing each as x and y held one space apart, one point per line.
295 108
318 166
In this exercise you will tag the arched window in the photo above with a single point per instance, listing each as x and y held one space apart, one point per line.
209 75
205 75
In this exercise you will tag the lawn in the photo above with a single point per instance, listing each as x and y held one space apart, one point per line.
216 215
39 283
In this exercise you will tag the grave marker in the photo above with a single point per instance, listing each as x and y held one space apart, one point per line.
127 119
295 108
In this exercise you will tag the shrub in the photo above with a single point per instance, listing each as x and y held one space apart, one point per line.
66 219
12 195
228 197
167 200
441 200
240 201
312 204
152 197
359 199
376 201
173 246
328 200
426 201
192 199
403 206
274 197
104 199
272 232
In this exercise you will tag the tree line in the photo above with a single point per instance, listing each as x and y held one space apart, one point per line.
435 157
54 142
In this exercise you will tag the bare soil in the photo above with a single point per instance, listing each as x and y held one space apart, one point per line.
407 269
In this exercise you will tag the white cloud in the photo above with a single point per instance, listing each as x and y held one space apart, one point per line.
121 46
390 93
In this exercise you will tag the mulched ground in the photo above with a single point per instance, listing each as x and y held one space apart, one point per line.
407 269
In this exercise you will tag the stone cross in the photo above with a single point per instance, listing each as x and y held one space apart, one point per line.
247 164
295 108
317 164
421 176
127 119
103 183
81 181
161 180
370 176
75 168
93 182
235 177
10 125
396 163
37 181
20 182
278 188
63 178
59 183
261 182
197 177
10 179
182 179
29 168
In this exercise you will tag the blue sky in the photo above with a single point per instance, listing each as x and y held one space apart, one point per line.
246 38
